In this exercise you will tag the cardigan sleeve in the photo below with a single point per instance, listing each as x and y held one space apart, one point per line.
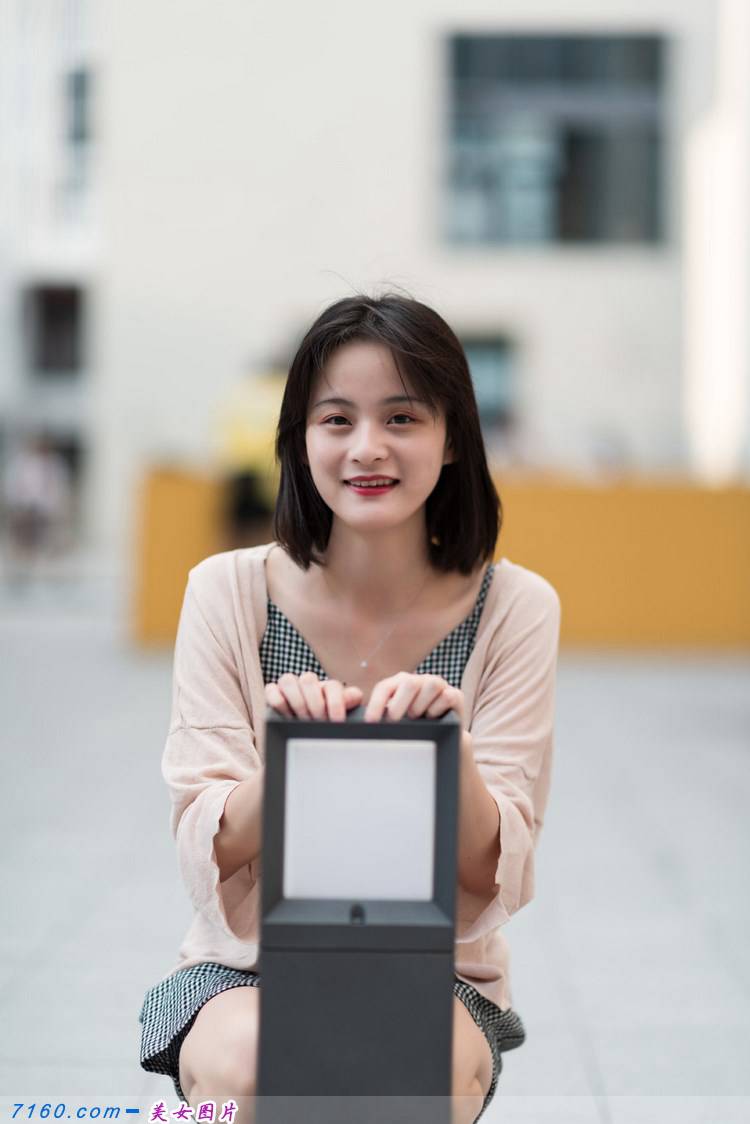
210 748
512 739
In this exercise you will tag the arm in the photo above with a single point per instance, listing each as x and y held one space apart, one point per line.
238 842
511 743
478 827
210 756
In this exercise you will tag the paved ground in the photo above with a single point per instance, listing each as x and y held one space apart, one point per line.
631 968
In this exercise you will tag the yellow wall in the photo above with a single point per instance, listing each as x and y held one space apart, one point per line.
178 517
636 564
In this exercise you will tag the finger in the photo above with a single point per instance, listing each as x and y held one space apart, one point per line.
449 699
275 699
423 691
352 695
381 693
428 693
404 696
333 694
312 690
289 685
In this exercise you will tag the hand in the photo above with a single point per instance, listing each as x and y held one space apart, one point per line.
306 696
413 696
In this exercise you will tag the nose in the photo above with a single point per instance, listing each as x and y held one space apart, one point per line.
368 443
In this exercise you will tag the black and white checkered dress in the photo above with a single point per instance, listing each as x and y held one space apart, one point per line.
170 1007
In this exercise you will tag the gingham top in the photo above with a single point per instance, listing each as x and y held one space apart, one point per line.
284 649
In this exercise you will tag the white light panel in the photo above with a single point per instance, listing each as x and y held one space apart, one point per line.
360 818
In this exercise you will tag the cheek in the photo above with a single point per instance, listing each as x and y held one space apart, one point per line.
316 450
322 459
322 454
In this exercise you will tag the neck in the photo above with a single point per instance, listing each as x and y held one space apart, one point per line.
378 572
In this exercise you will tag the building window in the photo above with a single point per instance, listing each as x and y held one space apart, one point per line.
78 106
77 141
54 329
493 368
555 139
490 365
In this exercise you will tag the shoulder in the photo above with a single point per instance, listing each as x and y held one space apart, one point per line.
228 583
520 602
212 571
523 589
220 568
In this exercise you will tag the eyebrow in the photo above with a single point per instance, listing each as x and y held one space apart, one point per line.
384 401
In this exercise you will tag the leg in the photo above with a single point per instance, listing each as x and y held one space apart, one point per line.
218 1057
472 1066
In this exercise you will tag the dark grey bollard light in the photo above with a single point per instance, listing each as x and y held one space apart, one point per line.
360 823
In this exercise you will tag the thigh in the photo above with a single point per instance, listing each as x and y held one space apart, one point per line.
472 1056
220 1050
221 1046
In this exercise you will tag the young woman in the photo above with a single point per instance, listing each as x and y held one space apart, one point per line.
378 589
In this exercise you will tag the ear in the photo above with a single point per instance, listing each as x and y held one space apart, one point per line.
449 455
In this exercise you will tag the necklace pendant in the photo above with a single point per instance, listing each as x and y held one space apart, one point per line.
363 664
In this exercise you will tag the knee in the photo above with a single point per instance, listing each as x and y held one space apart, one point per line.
467 1102
244 1102
227 1076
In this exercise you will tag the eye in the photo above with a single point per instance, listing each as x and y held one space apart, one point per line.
336 417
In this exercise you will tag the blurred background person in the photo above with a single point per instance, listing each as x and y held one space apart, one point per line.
246 431
37 500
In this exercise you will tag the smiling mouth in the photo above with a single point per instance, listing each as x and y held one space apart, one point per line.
370 487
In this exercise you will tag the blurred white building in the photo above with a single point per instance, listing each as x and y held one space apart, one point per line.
50 231
186 186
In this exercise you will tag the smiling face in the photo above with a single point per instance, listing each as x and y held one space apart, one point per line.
369 436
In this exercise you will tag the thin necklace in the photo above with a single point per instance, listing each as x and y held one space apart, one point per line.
365 662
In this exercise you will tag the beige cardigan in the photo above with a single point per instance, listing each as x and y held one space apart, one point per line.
215 741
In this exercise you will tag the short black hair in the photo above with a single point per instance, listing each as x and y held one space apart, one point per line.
463 512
